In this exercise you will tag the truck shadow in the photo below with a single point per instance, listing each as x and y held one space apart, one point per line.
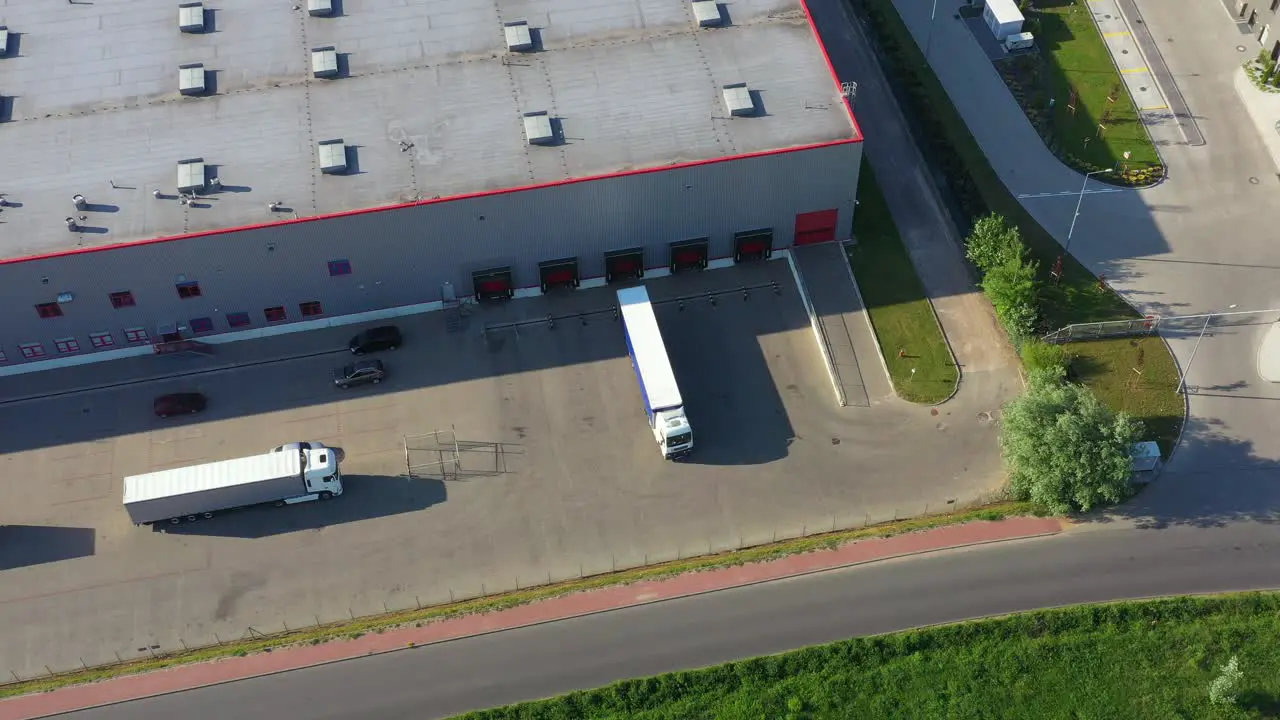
24 545
365 497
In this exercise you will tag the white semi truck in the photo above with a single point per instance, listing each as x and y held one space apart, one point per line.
658 386
190 493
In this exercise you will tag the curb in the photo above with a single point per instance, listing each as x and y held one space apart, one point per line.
590 613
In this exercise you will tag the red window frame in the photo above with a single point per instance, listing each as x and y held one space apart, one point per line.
310 308
136 335
66 346
122 299
31 351
100 340
339 267
238 319
49 310
200 325
275 314
187 290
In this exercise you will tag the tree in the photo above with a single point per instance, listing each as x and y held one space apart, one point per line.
1066 450
993 242
1015 295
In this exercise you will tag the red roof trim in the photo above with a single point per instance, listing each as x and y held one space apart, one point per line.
467 196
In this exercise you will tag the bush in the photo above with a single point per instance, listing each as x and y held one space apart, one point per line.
1015 293
1040 356
993 242
1064 449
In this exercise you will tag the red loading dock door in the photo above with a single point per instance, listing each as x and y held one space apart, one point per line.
558 274
816 227
753 245
623 265
493 284
689 255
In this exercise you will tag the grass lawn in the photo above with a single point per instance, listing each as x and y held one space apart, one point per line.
1078 58
901 314
1079 297
1151 659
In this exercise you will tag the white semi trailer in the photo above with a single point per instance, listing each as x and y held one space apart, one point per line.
190 493
662 401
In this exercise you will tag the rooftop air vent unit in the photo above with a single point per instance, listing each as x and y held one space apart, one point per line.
4 40
191 79
320 8
333 156
324 62
537 127
190 175
519 38
707 13
738 99
191 17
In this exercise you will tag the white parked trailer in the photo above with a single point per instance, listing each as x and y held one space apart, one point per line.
199 491
1003 18
662 401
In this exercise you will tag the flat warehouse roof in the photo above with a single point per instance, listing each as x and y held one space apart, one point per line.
426 100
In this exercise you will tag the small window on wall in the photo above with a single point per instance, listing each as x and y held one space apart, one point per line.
201 325
135 335
339 267
100 340
67 345
49 310
311 308
238 319
31 351
188 290
122 299
275 314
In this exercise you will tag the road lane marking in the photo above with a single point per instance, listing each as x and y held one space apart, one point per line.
1130 71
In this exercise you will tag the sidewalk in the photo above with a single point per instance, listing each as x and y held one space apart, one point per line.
186 677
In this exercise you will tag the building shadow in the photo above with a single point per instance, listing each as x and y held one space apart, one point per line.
25 545
365 497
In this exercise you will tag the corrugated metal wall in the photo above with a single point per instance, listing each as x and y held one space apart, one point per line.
401 257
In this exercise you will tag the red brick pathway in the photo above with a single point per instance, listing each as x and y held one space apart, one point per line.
185 677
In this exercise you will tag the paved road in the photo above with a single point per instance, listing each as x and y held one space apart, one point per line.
1087 564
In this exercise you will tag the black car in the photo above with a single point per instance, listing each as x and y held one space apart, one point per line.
359 373
179 404
386 337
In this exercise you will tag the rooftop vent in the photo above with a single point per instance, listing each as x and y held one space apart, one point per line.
191 17
4 40
707 13
738 99
333 156
519 38
320 8
324 62
537 127
190 175
191 79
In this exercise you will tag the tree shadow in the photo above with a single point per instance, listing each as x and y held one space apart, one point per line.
1263 704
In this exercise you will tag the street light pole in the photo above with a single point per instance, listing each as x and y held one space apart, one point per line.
928 43
1182 383
1066 249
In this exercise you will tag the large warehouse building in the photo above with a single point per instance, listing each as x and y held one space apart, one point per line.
178 170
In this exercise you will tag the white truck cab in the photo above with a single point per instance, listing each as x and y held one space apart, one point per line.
321 475
673 432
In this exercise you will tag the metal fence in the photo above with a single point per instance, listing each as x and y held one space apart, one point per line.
1171 326
282 627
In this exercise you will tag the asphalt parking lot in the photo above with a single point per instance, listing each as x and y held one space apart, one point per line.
557 472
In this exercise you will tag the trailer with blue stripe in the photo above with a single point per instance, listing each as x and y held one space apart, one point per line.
662 401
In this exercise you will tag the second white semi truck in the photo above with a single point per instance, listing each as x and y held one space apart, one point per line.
190 493
658 386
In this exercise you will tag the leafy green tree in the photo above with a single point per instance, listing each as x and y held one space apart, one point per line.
993 242
1222 691
1065 450
1015 293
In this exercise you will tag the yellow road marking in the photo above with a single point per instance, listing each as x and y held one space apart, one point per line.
1131 71
1154 107
1116 34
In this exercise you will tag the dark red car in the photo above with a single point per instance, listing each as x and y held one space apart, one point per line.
179 404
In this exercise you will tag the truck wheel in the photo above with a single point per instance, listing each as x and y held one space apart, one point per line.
208 515
326 495
175 521
191 518
279 503
377 380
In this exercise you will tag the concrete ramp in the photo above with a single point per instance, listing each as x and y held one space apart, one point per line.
849 348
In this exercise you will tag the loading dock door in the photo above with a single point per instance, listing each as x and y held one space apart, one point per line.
816 227
753 245
689 255
493 284
623 265
558 274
